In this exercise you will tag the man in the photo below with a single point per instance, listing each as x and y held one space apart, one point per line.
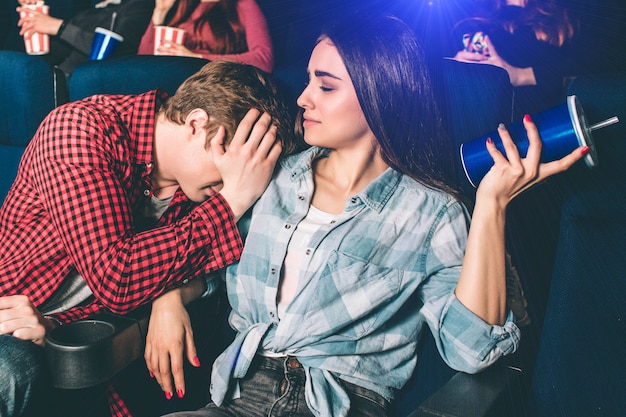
71 39
119 199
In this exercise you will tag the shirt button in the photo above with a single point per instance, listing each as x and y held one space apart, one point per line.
301 197
146 192
287 226
273 271
308 251
353 200
272 314
333 221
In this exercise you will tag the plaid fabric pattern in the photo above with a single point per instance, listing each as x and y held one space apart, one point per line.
371 281
81 185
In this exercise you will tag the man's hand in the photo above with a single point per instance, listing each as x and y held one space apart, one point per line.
247 165
20 318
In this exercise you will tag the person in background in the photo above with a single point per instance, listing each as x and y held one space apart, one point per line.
71 39
357 247
234 30
119 199
533 40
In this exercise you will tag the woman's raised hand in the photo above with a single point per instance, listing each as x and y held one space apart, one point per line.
511 174
161 7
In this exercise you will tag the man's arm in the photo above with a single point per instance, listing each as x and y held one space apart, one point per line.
85 192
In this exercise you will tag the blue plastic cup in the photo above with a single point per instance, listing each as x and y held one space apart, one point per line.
104 43
562 129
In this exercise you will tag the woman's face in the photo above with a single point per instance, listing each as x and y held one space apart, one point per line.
332 114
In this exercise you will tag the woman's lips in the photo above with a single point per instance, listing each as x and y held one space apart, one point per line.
308 123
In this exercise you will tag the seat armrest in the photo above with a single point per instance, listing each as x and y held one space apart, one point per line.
477 395
91 351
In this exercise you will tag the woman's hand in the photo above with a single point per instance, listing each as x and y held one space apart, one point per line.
171 48
482 284
169 337
161 8
21 319
35 21
511 174
517 76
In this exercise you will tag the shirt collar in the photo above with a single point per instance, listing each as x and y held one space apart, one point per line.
142 118
375 195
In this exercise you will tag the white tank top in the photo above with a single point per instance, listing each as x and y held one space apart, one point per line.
295 251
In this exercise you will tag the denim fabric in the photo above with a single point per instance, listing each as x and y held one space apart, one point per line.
22 370
274 387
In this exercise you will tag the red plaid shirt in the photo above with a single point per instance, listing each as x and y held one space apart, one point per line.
81 186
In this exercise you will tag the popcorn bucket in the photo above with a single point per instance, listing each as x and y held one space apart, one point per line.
36 43
167 34
475 42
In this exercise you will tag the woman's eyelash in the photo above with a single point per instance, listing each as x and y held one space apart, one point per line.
323 88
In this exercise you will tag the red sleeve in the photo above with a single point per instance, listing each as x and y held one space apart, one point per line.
84 190
146 46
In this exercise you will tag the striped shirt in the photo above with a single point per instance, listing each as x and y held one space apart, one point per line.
370 283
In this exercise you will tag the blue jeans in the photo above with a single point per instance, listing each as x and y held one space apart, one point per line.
22 372
274 387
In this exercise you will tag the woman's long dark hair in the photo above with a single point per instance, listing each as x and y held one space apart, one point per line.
550 22
386 65
223 20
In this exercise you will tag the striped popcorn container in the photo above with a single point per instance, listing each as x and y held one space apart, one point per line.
36 43
167 34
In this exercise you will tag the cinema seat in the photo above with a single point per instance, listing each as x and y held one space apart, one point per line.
132 75
581 366
29 89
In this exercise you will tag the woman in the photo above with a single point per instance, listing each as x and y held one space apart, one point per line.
533 40
357 245
234 30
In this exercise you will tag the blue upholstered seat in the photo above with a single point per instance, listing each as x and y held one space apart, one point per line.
581 365
132 75
29 89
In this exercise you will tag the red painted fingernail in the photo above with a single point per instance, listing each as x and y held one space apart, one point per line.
527 118
151 374
168 395
180 393
585 150
489 141
196 361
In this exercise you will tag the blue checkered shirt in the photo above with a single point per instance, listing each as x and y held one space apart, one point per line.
370 283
